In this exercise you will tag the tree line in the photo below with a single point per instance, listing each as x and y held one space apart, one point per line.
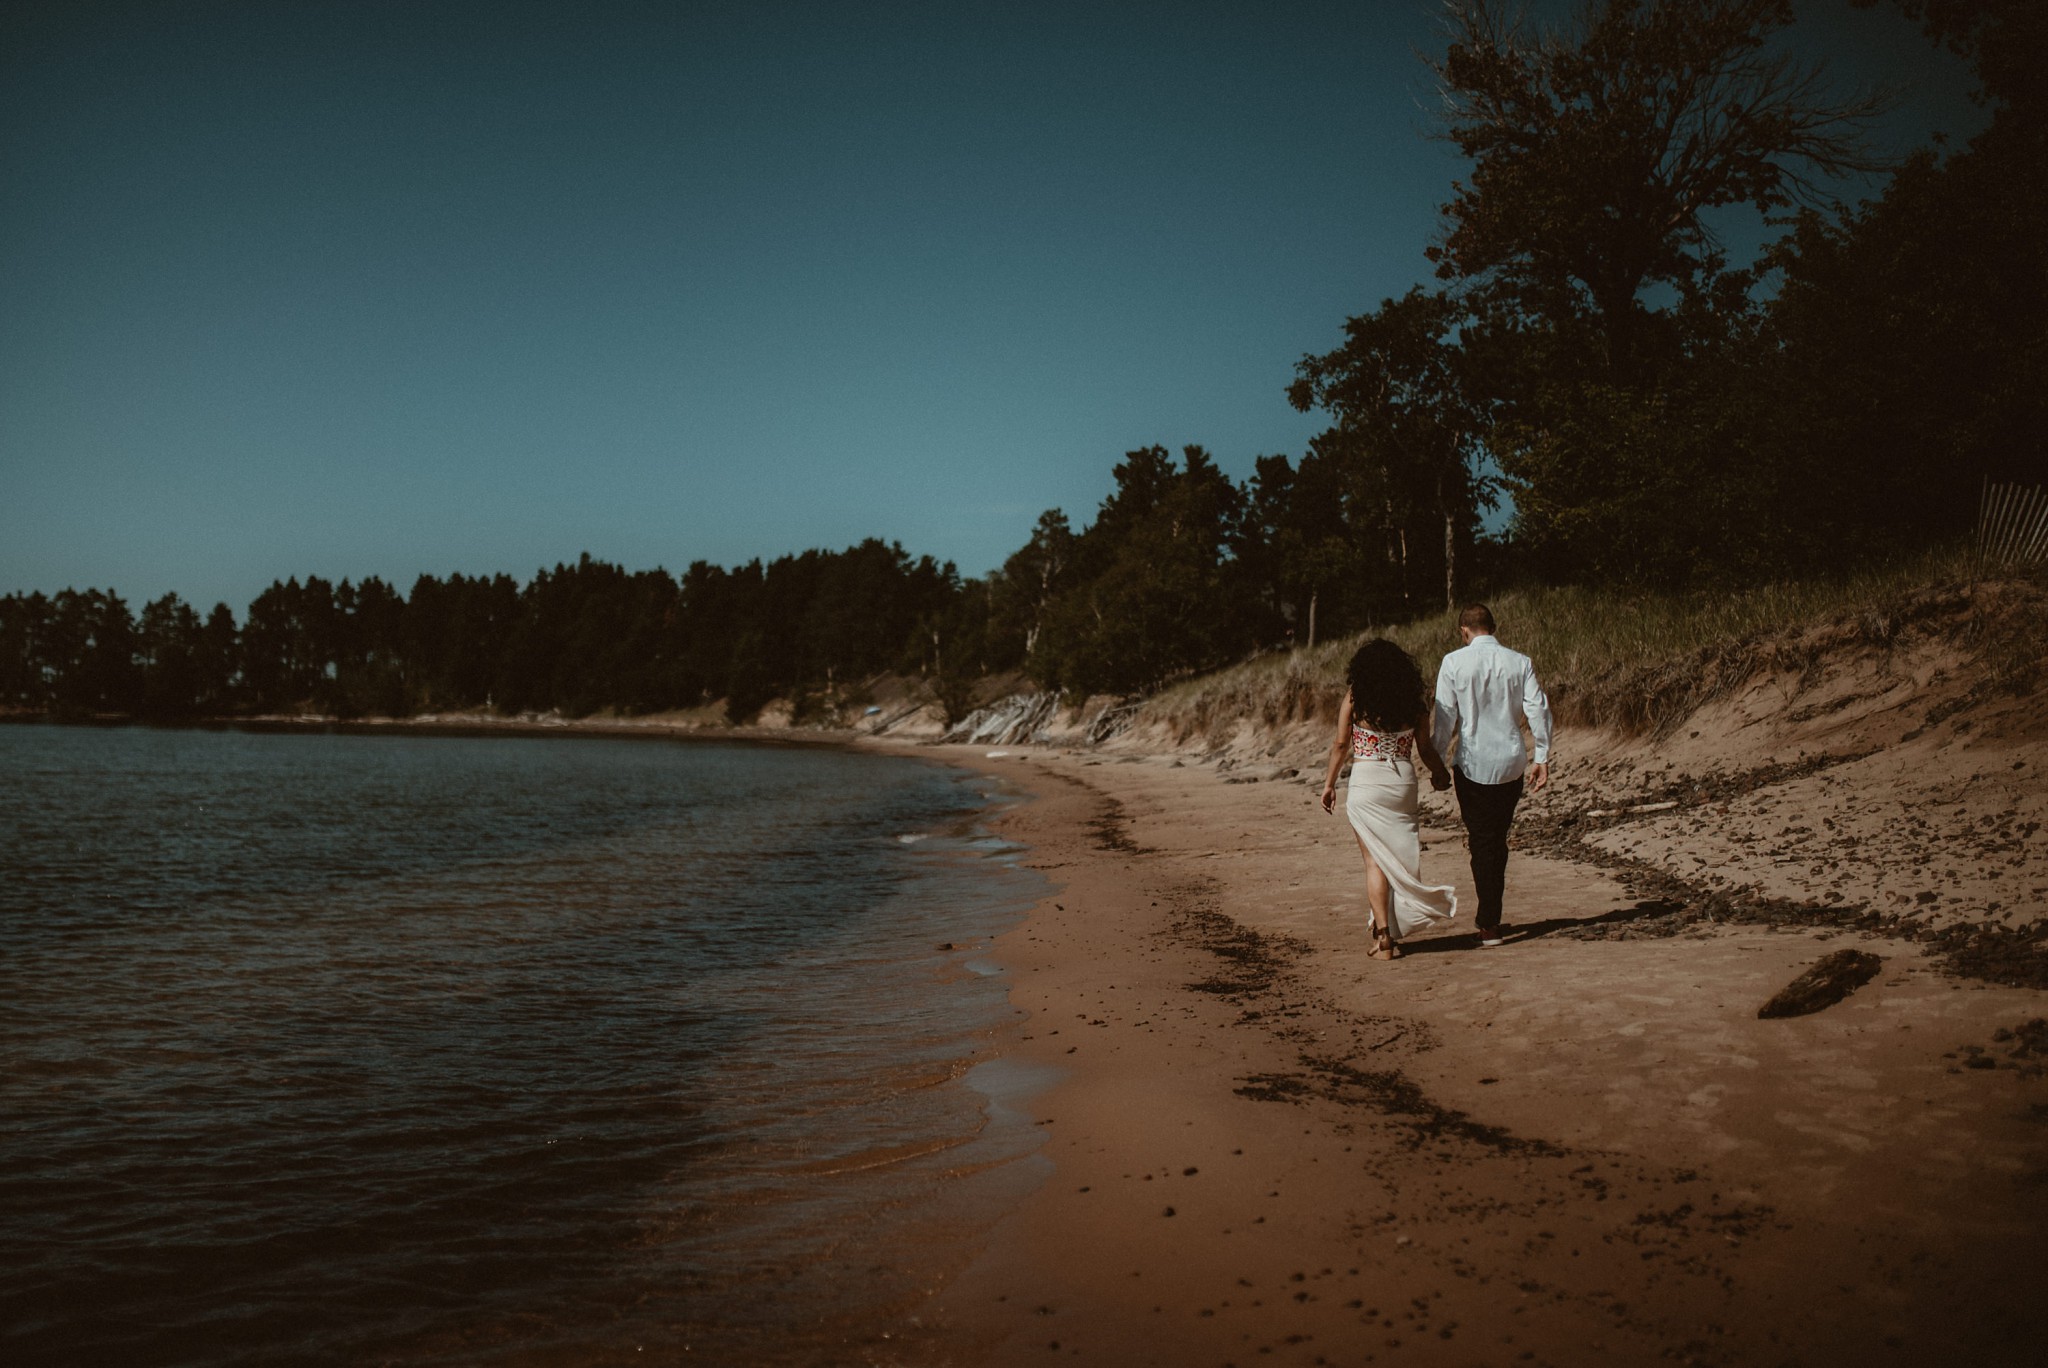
1657 414
1175 572
576 638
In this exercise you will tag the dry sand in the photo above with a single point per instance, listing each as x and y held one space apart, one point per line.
1582 1147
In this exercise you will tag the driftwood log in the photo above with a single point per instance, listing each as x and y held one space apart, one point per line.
1825 984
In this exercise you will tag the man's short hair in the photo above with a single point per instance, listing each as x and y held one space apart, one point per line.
1478 617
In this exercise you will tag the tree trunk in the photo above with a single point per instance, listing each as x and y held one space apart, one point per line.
1450 546
1450 564
1312 618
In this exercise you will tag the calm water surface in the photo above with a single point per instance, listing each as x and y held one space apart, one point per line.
360 1049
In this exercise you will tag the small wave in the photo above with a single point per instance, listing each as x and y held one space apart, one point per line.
880 1156
912 838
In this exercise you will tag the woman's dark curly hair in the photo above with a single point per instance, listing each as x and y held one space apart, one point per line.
1386 688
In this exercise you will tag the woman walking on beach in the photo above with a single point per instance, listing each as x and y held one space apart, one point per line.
1385 723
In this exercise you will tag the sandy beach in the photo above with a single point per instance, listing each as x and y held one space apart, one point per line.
1581 1147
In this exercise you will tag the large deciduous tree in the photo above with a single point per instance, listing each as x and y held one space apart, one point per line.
1599 153
1609 325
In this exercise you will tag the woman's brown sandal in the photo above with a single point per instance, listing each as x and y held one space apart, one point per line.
1383 945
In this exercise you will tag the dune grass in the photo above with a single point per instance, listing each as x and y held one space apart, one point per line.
1633 660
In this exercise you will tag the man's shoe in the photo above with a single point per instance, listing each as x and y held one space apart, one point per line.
1492 937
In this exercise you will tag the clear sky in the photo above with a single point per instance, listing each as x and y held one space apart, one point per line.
363 288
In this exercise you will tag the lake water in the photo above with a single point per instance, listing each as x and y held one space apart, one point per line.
352 1049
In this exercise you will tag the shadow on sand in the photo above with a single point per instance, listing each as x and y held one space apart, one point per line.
1515 934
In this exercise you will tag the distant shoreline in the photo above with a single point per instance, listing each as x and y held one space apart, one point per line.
459 725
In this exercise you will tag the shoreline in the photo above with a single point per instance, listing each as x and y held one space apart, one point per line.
1577 1148
1583 1147
458 725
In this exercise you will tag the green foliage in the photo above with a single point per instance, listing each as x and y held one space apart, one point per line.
2003 40
1598 152
168 655
1405 458
1022 592
576 638
1619 354
1910 338
455 633
1310 539
1148 593
85 654
956 693
1686 482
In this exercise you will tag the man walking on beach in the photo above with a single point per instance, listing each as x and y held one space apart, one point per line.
1484 693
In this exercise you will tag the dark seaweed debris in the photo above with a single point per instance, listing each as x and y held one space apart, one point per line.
1111 830
2013 957
1261 978
2025 1047
1392 1094
1670 906
1833 978
1255 958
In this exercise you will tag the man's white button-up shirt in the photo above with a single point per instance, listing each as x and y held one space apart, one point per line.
1484 693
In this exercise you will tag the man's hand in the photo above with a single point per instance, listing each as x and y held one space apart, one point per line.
1539 775
1440 780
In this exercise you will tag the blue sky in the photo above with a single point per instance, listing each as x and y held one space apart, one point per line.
355 289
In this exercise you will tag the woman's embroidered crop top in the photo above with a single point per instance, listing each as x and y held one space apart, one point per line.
1367 744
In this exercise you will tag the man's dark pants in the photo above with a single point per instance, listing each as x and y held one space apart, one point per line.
1487 810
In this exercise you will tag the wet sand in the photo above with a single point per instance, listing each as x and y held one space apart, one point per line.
1578 1148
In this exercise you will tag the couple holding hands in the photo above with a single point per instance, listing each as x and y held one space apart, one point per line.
1484 694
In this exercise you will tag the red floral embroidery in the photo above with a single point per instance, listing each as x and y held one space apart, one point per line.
1372 745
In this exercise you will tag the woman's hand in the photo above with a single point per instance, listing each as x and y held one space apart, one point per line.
1439 779
1338 744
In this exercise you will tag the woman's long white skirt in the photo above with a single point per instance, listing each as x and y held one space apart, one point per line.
1382 805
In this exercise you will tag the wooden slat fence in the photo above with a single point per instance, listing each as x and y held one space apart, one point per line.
2012 527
